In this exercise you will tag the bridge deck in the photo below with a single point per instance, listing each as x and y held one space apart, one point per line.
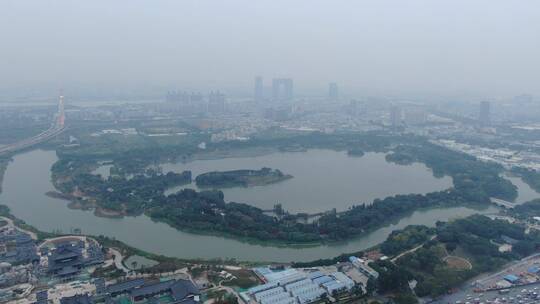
502 203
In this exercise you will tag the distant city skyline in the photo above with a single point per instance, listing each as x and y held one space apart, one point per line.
380 48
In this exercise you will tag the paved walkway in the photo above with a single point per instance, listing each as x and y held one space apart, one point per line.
118 258
62 238
412 250
10 223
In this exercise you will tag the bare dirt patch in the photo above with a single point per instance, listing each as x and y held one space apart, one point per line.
456 262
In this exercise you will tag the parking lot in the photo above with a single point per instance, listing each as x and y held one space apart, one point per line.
520 295
474 292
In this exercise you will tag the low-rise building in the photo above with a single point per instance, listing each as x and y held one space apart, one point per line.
178 291
296 286
17 247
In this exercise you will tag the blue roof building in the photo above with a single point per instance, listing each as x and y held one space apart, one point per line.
511 278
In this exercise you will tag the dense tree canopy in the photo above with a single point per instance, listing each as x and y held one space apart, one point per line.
206 211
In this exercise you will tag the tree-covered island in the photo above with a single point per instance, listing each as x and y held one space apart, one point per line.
240 178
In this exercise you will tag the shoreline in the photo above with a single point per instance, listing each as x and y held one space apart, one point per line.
76 204
112 214
106 241
3 168
105 213
249 184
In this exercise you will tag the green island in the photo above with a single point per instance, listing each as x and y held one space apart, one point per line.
208 211
240 178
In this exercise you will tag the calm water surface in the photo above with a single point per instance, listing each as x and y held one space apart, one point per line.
28 179
525 192
323 179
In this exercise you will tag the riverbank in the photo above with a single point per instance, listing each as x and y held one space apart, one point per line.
36 234
52 215
199 211
11 223
76 203
39 236
3 167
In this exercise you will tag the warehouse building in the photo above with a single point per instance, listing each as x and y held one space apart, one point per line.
296 286
363 267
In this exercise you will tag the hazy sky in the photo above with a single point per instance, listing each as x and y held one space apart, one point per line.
435 47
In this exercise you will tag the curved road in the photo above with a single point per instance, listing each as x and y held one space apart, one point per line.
118 258
10 223
412 250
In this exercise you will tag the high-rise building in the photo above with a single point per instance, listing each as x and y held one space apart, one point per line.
395 115
354 108
333 93
258 94
415 116
524 99
282 89
184 97
216 102
185 103
484 116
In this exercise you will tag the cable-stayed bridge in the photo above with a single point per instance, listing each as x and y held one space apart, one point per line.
57 127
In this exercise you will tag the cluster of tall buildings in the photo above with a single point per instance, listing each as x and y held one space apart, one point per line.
409 114
484 116
214 103
395 115
333 92
258 93
282 89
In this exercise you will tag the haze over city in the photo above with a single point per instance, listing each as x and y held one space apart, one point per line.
269 152
407 49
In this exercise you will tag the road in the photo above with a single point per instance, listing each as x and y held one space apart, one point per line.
502 203
10 223
52 132
468 287
228 290
412 250
508 267
118 258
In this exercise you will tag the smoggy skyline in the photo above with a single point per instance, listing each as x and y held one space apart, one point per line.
439 48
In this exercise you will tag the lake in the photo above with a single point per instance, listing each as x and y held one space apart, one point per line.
322 179
28 178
